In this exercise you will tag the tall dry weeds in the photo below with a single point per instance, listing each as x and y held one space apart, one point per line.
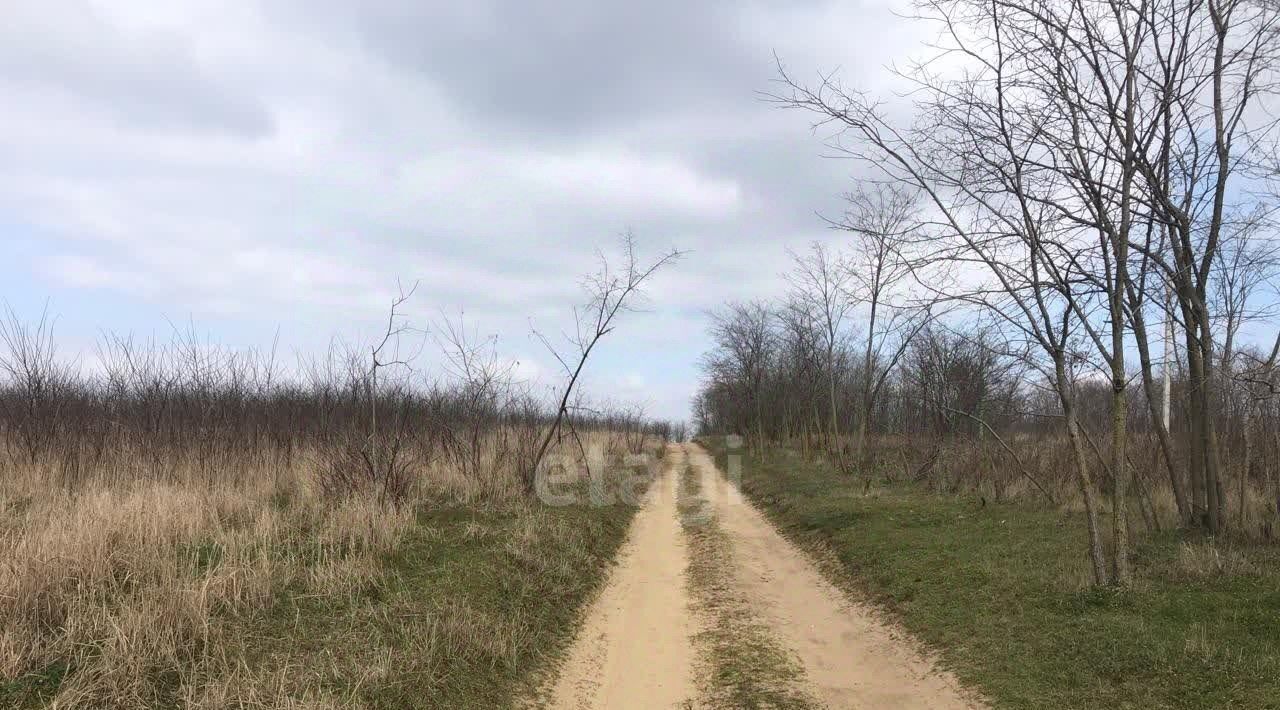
121 585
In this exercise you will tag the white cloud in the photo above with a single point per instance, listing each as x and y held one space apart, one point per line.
254 161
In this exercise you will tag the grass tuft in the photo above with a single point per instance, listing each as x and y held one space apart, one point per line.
745 666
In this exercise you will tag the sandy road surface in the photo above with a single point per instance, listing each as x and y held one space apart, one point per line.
852 658
635 649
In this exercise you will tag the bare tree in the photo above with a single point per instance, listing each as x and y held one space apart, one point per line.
883 219
484 382
1073 132
820 283
1208 64
1256 385
611 292
744 338
387 354
978 177
799 366
29 359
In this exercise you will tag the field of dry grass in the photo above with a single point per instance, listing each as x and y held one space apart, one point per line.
198 589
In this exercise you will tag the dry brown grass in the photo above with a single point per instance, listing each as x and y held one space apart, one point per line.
123 584
983 468
1204 560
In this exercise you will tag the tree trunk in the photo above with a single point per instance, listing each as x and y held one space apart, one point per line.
1275 469
1195 421
834 444
867 379
1246 427
1119 410
862 438
1160 414
1097 555
1120 469
1202 383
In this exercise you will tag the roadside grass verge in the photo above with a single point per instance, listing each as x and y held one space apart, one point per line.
1000 592
468 612
744 666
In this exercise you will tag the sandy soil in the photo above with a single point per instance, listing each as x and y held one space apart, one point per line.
635 648
852 658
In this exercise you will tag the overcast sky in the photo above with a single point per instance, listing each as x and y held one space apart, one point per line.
279 164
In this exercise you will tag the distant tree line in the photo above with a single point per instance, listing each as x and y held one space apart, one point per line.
364 418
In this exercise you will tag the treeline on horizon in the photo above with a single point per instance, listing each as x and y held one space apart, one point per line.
946 387
152 410
366 418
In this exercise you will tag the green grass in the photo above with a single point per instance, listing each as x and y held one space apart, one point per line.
34 690
471 609
744 666
1000 591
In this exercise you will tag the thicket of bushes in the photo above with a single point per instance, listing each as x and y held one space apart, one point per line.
191 410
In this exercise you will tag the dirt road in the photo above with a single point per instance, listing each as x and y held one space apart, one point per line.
634 649
639 647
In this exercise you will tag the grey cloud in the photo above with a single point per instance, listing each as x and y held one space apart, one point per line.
566 66
147 81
